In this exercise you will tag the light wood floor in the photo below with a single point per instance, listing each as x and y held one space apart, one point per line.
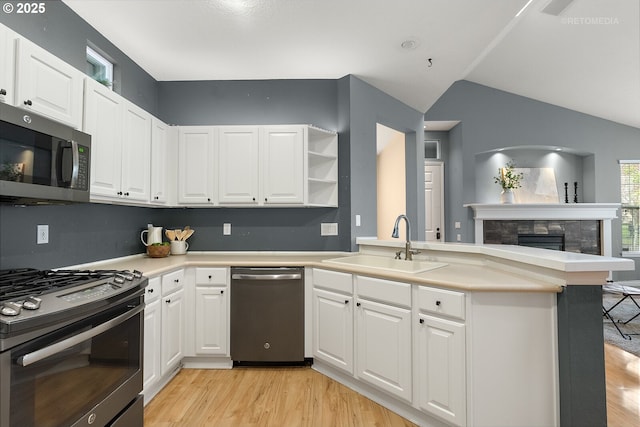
278 397
623 387
303 397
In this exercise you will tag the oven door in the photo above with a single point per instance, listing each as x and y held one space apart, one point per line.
84 374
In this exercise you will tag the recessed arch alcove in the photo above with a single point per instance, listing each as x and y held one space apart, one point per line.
568 166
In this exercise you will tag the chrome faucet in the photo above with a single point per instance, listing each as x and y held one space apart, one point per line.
395 234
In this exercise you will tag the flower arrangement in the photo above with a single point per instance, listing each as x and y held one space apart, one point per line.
508 178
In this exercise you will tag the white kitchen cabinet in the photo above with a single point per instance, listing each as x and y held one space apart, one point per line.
136 154
383 335
197 151
172 320
441 374
239 172
47 85
160 140
152 335
7 64
283 164
120 144
332 318
103 121
333 328
322 166
211 312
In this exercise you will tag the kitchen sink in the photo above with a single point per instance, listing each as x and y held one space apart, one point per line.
387 263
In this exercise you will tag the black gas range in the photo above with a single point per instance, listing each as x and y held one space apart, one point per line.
66 333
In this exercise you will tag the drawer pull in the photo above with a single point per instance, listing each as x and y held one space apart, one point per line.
438 303
221 292
150 291
346 301
177 280
209 277
168 301
421 321
358 304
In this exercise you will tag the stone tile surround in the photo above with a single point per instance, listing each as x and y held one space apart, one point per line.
581 236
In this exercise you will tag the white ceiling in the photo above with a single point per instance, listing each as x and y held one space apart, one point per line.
587 58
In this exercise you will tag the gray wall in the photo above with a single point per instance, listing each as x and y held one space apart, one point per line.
368 106
492 119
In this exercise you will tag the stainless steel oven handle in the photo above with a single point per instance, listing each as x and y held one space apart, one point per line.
48 351
285 276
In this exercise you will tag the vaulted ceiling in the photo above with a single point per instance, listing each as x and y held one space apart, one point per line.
580 54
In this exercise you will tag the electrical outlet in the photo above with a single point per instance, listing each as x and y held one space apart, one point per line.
329 229
226 229
457 225
43 234
458 238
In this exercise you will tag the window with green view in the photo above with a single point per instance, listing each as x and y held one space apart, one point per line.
630 199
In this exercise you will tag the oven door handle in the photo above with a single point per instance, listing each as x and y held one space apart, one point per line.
48 351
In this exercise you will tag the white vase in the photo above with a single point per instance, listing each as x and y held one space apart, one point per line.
507 196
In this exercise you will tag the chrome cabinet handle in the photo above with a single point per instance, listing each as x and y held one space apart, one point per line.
48 351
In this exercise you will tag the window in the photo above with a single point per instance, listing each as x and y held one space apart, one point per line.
99 68
630 200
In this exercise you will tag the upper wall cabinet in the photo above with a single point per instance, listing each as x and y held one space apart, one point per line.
7 64
197 148
121 146
47 85
160 136
322 167
283 165
238 165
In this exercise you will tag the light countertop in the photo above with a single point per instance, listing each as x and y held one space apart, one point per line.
469 267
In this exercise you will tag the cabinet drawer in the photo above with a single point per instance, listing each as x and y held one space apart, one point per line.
153 289
172 281
211 276
396 293
333 280
441 301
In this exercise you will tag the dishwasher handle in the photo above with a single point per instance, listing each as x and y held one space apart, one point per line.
277 276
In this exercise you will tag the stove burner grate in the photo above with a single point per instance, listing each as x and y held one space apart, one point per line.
18 283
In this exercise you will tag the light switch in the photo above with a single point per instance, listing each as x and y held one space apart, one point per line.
226 229
357 220
457 225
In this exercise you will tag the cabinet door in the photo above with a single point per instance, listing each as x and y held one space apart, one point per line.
238 165
211 320
172 326
441 369
159 161
48 85
136 154
7 64
333 329
152 340
195 165
283 165
103 121
383 335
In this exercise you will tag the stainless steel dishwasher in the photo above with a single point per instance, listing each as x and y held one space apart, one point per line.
267 315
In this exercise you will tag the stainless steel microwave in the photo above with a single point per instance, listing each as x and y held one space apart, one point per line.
42 161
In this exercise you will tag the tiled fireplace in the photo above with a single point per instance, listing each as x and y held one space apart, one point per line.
578 227
581 236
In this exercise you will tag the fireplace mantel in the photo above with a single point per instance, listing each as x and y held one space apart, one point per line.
604 212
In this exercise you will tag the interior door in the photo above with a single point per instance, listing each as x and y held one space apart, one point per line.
434 201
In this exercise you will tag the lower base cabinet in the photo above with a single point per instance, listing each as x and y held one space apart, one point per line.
441 369
383 335
152 334
333 329
211 321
